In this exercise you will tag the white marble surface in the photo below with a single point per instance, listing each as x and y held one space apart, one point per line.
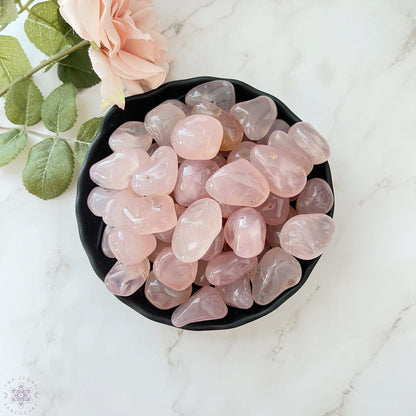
345 344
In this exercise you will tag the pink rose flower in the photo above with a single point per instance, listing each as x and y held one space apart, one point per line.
128 46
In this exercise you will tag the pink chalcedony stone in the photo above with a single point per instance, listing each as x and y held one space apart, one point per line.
130 134
242 151
286 144
306 236
238 183
162 296
179 104
157 174
227 267
310 141
129 247
160 246
276 272
124 280
256 116
237 294
215 248
200 279
218 92
114 209
227 210
204 305
172 272
275 209
285 177
115 171
245 232
316 197
192 178
196 229
197 137
161 120
273 231
104 243
97 200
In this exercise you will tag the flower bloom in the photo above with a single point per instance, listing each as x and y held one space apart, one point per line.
127 44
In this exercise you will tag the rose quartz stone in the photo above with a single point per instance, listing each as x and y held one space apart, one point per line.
238 183
196 229
114 209
197 137
129 247
130 134
179 104
165 236
242 151
124 280
204 305
316 197
276 272
104 243
218 92
162 296
308 139
227 267
192 178
245 232
220 160
285 177
275 209
273 231
278 124
215 248
115 171
172 272
201 279
153 147
97 200
306 236
256 116
161 120
237 294
160 245
227 210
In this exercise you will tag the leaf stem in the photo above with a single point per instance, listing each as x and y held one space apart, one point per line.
55 58
25 6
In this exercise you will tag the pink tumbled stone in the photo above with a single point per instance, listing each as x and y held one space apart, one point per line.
165 236
306 236
316 197
237 294
218 92
97 200
161 120
215 248
104 243
278 124
275 209
113 214
285 177
153 147
197 137
162 296
220 160
245 232
273 231
227 210
256 116
310 141
238 183
157 174
242 151
124 280
204 305
276 272
200 279
130 134
192 178
172 272
227 267
196 229
129 247
160 246
180 105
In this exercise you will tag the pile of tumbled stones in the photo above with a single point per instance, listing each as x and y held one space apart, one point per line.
205 191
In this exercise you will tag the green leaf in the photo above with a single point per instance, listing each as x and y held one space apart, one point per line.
49 168
80 151
42 29
59 110
86 134
12 142
23 103
67 31
8 12
77 68
13 60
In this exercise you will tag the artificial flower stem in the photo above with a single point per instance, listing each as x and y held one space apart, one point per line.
25 6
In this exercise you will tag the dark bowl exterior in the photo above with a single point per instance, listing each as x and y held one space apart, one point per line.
91 227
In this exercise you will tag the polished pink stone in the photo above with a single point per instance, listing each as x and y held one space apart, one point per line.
285 177
162 296
97 200
172 272
200 279
245 232
273 231
161 120
218 92
256 116
153 147
279 124
204 305
114 209
130 134
220 160
227 267
160 245
276 272
306 236
165 236
115 171
129 247
316 197
104 243
237 294
242 151
157 174
227 210
308 139
215 248
196 229
238 183
179 104
275 209
197 137
192 178
124 280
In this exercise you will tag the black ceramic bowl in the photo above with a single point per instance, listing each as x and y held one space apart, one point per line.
91 227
